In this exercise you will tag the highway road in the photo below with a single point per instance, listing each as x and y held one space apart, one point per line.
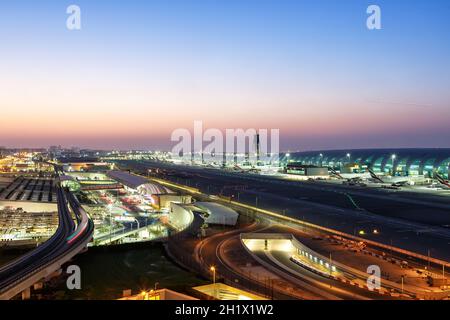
208 253
212 251
406 220
281 260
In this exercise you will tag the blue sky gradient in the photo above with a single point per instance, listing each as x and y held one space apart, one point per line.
310 68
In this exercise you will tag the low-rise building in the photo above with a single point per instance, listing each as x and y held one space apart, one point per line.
306 170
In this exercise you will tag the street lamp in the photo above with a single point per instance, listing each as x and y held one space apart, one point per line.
402 283
393 159
110 222
349 156
287 156
213 270
331 269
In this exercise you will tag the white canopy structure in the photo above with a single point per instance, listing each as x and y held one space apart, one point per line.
138 183
217 213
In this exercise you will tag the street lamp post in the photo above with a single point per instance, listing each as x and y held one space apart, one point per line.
402 284
213 269
110 223
331 266
331 262
393 159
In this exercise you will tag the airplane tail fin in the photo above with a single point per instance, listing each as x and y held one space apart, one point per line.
374 176
438 177
333 172
441 179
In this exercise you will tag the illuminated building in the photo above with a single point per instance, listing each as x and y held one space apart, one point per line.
402 162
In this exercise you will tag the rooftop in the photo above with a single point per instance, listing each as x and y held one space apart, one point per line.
130 180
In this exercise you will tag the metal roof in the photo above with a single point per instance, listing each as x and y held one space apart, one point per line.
421 159
134 182
130 180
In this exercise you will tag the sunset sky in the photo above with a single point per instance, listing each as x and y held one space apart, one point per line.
140 69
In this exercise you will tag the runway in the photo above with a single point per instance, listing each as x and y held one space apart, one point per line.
397 217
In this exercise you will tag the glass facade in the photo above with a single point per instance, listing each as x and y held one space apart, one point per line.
400 162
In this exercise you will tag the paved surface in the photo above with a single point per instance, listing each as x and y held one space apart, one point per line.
412 221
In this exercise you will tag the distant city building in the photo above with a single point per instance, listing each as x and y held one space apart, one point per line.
55 151
83 164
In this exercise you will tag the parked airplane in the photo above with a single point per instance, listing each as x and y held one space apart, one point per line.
350 177
442 181
396 181
246 170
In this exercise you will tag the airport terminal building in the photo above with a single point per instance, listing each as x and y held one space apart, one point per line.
137 183
402 162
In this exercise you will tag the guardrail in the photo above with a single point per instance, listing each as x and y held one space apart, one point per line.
34 276
42 271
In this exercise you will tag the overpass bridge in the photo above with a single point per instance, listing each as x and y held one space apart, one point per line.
100 186
69 239
277 251
117 235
